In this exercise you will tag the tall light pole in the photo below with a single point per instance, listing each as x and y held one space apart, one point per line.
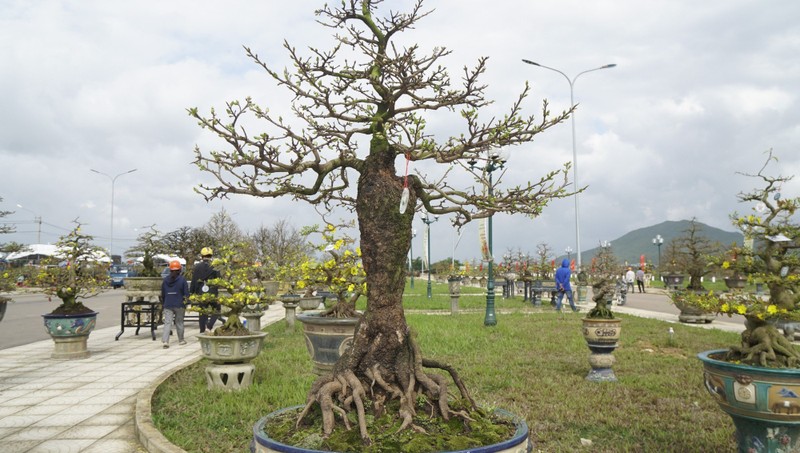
427 220
574 149
657 241
113 181
36 218
411 256
495 162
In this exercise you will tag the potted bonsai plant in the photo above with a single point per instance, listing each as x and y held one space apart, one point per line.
600 329
329 333
694 307
231 346
757 381
74 274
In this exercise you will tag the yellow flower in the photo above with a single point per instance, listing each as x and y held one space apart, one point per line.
772 309
351 287
726 264
741 309
725 308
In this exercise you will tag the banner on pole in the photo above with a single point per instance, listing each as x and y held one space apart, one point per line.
425 263
485 253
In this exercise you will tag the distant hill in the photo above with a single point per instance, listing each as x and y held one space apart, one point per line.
630 246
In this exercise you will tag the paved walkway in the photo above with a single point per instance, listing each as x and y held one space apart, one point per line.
87 405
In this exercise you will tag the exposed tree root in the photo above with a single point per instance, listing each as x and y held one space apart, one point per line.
403 379
765 346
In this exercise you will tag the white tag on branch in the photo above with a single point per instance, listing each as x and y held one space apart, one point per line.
404 200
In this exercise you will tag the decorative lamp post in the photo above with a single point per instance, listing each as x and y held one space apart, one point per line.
574 150
428 221
113 180
568 251
495 162
36 218
411 259
657 241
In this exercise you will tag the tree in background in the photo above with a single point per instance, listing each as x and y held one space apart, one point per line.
692 253
357 113
222 230
544 258
148 245
186 242
279 246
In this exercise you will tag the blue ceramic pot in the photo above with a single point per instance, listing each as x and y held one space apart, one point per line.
764 403
70 325
518 443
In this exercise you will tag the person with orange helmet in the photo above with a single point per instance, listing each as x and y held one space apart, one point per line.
174 292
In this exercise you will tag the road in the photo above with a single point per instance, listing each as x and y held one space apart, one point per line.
23 322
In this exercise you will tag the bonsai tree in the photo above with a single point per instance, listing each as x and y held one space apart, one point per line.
148 245
605 270
341 273
772 257
359 108
75 272
236 289
692 252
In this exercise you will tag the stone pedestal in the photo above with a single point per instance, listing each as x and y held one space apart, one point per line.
291 312
253 321
71 348
235 376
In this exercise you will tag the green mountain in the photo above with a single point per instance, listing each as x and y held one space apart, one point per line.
629 247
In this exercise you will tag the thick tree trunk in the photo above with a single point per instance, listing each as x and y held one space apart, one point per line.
385 240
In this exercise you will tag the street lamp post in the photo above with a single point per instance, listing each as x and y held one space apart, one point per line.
495 162
657 241
574 148
36 218
411 254
428 221
113 181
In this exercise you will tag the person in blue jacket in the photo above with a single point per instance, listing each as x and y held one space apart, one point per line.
174 292
562 285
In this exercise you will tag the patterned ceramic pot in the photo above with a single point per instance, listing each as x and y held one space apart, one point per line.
231 349
70 334
764 403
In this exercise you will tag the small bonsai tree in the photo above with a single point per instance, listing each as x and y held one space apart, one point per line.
236 290
340 272
605 270
74 272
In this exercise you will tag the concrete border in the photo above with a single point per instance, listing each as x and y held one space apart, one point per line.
143 427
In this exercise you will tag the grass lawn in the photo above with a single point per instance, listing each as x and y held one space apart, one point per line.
533 363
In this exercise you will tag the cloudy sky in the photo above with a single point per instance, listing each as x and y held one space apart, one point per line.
700 91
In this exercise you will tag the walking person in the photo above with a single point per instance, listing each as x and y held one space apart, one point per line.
202 273
174 292
563 287
640 279
629 278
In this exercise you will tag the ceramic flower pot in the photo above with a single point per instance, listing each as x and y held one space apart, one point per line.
764 403
326 338
70 334
601 336
262 443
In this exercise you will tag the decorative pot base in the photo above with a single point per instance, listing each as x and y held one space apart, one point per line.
230 376
696 319
70 348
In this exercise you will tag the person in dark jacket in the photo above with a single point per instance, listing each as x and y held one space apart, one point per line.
202 273
562 285
174 292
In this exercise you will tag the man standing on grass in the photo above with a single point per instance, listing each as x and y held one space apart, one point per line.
562 285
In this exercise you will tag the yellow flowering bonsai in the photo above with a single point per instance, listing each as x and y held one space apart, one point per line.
339 271
74 273
769 254
236 289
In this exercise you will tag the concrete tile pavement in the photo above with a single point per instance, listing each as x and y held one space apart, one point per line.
86 405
